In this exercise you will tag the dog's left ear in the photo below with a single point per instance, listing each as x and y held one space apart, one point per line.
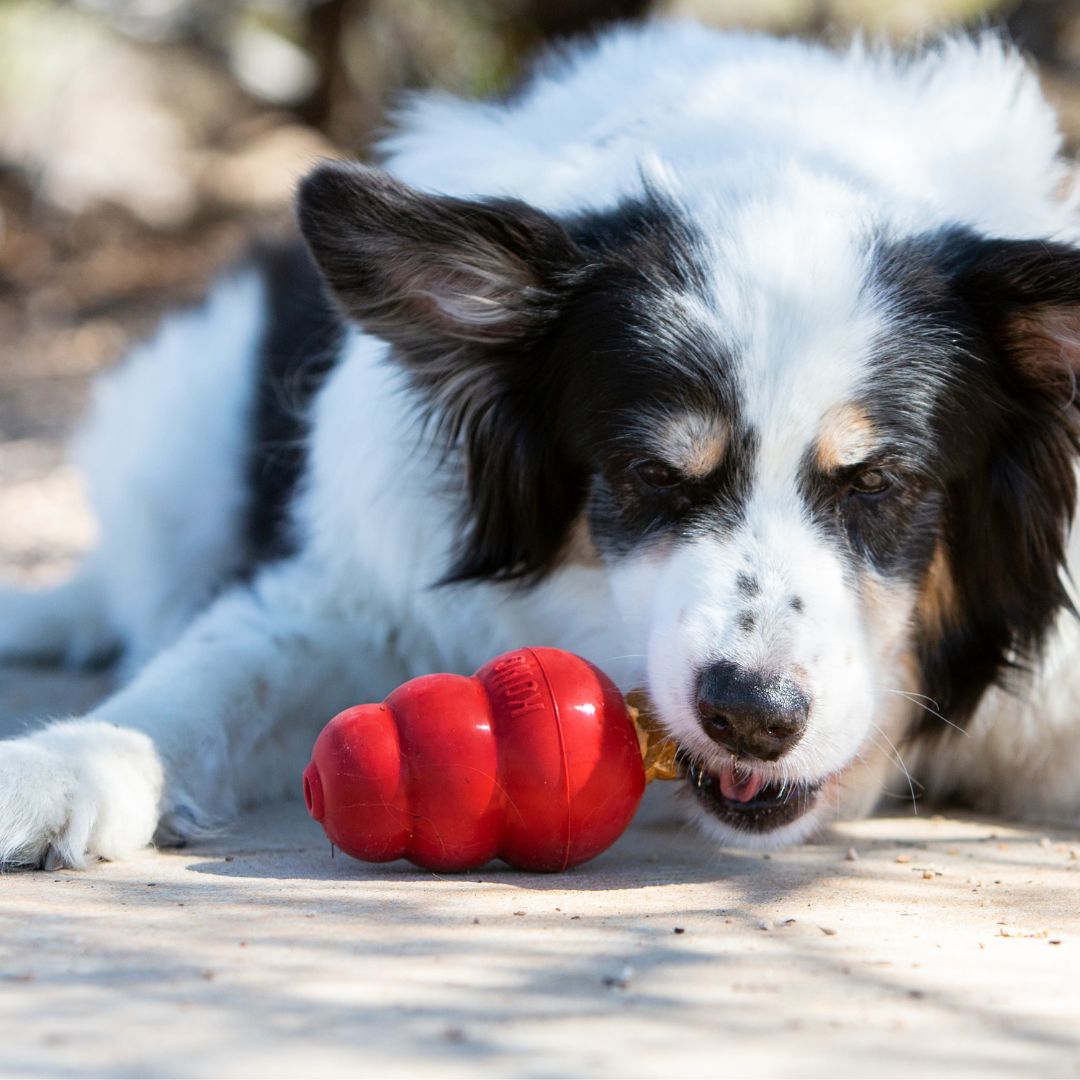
1008 515
464 290
1026 295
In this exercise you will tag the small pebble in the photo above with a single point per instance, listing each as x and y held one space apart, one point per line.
852 855
1015 932
678 930
620 981
828 931
903 858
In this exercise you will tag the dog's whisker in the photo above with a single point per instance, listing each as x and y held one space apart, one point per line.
900 761
913 698
624 656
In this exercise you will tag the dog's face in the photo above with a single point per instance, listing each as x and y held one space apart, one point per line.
828 468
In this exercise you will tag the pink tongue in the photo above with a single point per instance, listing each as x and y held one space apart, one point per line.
739 790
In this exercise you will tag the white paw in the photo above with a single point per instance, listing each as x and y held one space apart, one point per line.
77 791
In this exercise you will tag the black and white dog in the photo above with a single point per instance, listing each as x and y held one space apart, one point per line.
743 368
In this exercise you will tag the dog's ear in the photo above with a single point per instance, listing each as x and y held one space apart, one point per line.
423 270
1001 576
464 290
1026 296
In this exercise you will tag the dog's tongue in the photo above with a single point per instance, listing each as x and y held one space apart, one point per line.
739 790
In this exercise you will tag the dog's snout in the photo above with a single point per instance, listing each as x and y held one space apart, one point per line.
752 715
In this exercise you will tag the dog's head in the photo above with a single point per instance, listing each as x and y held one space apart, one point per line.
828 465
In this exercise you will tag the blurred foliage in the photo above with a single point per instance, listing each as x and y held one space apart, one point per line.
336 62
153 104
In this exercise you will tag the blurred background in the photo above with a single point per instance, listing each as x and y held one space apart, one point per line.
141 142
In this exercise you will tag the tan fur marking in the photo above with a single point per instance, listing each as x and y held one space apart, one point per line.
937 603
1066 187
847 437
580 548
887 608
696 444
1046 344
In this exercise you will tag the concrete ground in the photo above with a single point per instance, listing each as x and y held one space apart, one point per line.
905 945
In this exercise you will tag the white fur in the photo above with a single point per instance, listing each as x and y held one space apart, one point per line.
165 470
163 455
787 154
81 789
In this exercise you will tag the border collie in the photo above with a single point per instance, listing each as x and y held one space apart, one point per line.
742 367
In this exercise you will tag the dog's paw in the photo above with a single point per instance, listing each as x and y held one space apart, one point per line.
77 791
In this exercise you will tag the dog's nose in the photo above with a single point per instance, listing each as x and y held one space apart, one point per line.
752 715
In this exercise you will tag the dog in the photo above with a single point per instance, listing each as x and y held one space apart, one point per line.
742 367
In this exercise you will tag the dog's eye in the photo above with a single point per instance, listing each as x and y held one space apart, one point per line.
870 482
656 474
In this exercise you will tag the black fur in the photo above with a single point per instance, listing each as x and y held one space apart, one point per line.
634 360
398 261
1009 508
975 413
981 406
549 399
301 344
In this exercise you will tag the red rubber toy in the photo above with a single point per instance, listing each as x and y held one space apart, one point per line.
533 760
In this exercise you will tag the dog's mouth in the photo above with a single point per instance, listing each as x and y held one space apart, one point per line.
747 801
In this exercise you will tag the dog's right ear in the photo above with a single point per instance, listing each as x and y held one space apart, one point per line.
424 271
464 290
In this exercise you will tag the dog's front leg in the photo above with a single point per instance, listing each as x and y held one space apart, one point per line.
223 718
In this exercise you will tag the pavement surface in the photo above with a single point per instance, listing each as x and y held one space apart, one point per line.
900 946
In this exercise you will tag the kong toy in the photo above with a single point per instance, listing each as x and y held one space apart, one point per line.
536 760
